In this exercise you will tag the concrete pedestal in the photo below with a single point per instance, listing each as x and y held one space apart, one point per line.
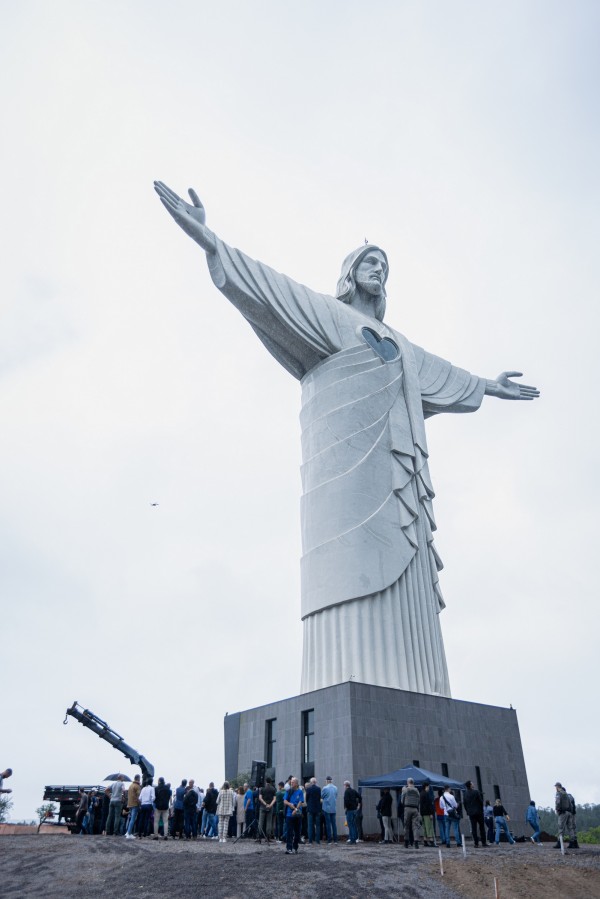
358 730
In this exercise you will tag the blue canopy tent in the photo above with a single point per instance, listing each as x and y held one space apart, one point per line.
397 779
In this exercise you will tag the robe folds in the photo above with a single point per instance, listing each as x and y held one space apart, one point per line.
369 572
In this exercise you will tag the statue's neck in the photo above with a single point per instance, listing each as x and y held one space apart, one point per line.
365 303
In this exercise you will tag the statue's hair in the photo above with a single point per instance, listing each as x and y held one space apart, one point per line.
346 286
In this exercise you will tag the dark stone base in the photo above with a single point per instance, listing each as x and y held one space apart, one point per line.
361 730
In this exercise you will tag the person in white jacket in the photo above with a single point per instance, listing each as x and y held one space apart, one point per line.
147 797
225 806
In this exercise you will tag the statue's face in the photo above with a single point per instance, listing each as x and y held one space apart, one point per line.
370 273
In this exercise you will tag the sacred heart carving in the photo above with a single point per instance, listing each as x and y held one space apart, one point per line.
385 348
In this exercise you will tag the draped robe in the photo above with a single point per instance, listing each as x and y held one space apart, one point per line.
369 572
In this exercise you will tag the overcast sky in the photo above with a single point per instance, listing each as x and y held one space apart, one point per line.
460 136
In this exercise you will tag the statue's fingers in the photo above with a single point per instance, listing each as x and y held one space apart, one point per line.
172 208
527 388
171 205
195 198
512 374
163 191
529 394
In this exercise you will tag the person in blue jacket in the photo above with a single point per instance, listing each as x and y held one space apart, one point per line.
532 818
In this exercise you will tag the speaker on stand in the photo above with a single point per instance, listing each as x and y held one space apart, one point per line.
257 778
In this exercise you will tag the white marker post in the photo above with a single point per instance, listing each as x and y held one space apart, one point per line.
464 848
496 889
562 844
441 863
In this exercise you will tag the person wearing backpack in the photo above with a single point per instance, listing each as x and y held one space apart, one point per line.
565 807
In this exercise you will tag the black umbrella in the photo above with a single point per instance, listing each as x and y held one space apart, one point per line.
117 776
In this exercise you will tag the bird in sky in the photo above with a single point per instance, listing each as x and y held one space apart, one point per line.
154 504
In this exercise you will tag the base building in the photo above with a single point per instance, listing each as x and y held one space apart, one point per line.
352 730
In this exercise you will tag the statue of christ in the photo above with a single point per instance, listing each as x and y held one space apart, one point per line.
370 590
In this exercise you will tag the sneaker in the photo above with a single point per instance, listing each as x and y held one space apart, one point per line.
129 836
289 852
532 840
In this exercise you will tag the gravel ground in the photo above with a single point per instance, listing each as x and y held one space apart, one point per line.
72 867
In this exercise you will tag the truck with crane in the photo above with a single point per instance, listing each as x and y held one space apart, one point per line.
67 795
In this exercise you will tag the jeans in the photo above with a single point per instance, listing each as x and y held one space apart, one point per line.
144 822
536 832
352 831
501 825
208 823
294 826
443 829
279 825
454 824
132 818
489 823
314 827
190 822
113 822
331 826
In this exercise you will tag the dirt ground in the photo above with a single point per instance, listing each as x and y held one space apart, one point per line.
72 867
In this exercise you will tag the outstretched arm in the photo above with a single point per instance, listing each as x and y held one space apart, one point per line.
505 389
191 219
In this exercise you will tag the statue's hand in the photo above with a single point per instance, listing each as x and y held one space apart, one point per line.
506 389
191 219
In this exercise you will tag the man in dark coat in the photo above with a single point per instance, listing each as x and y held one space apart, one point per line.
474 808
313 809
162 799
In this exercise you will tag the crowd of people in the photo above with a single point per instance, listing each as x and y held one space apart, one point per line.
291 814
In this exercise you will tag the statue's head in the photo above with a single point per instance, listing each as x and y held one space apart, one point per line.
371 277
